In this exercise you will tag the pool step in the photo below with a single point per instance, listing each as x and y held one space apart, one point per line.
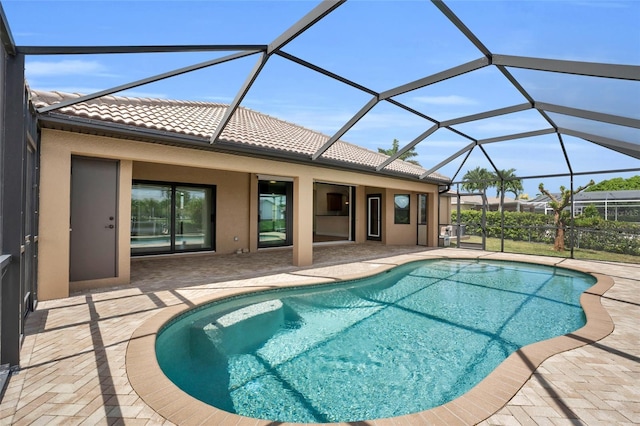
239 331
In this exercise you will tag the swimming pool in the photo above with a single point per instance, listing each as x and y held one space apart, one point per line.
400 342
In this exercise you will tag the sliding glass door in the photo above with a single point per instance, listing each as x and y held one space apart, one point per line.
333 212
150 218
193 218
170 218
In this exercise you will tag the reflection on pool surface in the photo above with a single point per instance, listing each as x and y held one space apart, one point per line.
403 341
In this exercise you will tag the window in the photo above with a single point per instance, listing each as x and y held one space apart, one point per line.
401 205
275 221
170 218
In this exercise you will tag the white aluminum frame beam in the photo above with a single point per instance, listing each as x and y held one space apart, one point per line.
228 113
486 114
564 152
325 72
344 129
417 84
5 34
502 62
517 136
592 69
316 14
627 148
436 78
589 115
448 160
102 50
461 26
410 145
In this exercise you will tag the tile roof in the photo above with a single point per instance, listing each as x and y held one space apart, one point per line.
246 128
612 196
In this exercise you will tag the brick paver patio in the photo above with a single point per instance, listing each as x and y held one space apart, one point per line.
73 356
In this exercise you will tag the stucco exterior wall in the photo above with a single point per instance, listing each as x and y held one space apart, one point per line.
401 234
235 177
232 198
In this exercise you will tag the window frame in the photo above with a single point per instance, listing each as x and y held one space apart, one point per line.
173 222
399 212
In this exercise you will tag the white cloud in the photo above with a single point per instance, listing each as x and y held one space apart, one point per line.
66 67
445 100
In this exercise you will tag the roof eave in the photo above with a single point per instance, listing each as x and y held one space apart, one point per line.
60 121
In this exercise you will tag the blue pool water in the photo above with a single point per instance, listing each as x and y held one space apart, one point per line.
400 342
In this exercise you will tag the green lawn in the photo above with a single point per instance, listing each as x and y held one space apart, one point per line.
524 247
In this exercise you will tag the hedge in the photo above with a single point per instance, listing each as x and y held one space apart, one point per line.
591 232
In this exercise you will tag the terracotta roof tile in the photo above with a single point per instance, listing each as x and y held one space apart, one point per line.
199 119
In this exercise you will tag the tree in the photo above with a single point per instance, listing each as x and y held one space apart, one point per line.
510 183
410 153
617 184
558 205
478 179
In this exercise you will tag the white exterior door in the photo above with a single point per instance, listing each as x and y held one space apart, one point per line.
374 217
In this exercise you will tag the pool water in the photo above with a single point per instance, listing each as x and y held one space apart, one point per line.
400 342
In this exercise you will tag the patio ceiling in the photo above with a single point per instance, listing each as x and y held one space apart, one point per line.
468 101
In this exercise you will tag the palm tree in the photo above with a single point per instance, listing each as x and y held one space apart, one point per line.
510 184
405 155
478 179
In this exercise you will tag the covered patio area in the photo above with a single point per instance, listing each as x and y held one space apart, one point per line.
73 357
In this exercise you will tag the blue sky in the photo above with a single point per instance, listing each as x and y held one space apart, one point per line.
378 44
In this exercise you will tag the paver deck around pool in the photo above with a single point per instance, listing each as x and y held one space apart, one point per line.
73 368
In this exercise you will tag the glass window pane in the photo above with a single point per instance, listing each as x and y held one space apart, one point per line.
422 209
374 217
273 214
193 218
150 218
401 204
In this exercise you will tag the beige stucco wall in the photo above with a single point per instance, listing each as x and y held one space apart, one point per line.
401 234
55 210
235 178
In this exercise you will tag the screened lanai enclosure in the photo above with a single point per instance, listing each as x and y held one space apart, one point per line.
530 92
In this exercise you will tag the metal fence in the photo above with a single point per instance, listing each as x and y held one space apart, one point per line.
619 240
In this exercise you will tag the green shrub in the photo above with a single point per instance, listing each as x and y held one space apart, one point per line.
591 231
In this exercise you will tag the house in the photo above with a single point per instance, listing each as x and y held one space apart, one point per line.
623 206
125 177
474 202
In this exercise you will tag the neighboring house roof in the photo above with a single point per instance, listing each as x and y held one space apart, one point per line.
594 196
477 200
198 120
